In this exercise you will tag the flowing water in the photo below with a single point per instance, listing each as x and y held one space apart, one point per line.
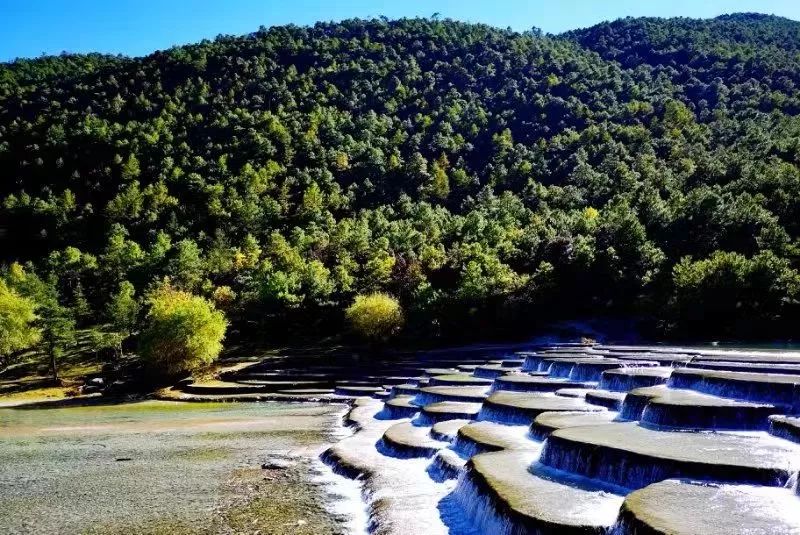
692 450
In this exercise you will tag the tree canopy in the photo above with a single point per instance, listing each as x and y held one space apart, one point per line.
376 316
183 332
488 179
17 322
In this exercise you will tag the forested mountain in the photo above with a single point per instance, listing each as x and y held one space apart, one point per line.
486 178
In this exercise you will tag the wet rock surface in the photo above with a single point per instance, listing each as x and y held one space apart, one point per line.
163 467
628 440
572 439
709 508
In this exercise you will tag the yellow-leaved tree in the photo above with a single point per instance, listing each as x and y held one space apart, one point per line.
18 329
376 316
183 332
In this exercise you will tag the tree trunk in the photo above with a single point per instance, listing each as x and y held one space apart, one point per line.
53 365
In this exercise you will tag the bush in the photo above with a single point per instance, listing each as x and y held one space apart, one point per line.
375 316
183 332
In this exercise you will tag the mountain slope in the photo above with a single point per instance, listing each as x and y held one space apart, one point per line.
485 177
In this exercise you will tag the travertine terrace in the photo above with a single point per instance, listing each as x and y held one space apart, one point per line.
561 439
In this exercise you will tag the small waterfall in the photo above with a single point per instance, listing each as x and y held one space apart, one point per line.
422 399
584 372
792 483
634 471
544 367
536 363
633 407
467 448
472 495
620 382
347 497
386 448
539 432
506 415
331 459
626 524
719 418
763 392
617 468
531 363
424 419
441 470
484 373
426 398
561 368
396 412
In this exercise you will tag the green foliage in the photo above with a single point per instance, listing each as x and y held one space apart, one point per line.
728 290
480 175
183 332
17 321
57 323
375 316
123 309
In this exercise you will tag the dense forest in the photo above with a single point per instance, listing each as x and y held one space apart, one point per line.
489 180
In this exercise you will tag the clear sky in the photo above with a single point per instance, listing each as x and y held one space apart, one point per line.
136 27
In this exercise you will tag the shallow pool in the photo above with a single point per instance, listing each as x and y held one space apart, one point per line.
167 467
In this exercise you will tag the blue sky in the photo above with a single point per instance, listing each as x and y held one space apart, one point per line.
31 27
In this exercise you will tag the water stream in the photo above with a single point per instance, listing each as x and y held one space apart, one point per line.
600 462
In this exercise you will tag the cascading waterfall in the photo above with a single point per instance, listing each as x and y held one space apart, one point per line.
489 373
395 412
763 392
608 465
560 368
612 467
537 363
618 382
426 398
471 496
688 417
529 363
792 483
544 366
348 494
507 415
633 407
585 373
467 448
634 471
440 469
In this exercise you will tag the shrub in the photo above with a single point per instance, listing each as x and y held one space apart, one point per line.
375 316
183 332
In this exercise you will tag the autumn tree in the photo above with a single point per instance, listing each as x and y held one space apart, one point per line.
182 333
18 329
375 317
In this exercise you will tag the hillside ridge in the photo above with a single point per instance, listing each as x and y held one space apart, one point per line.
491 180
